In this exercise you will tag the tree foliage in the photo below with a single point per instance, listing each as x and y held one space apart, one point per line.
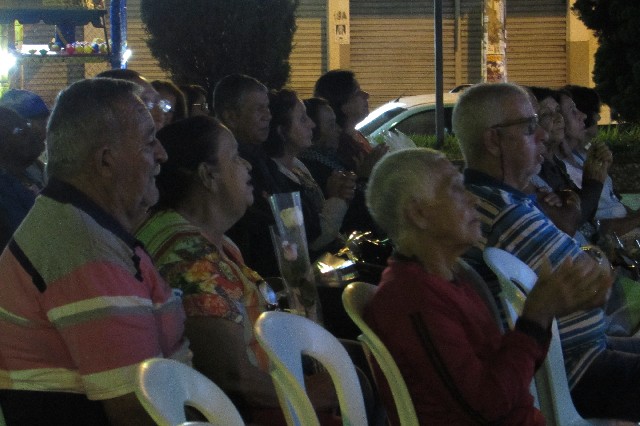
201 41
616 23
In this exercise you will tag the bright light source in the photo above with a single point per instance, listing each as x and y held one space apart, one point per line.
126 55
7 61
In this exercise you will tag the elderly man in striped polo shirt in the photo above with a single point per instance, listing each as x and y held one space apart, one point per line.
502 144
81 303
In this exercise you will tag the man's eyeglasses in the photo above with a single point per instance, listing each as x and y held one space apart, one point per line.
202 106
531 122
163 104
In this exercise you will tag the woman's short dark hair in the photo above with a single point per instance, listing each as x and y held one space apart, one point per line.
542 93
313 106
336 86
281 103
188 143
587 101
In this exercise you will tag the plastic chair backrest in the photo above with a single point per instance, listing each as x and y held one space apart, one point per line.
285 338
354 298
165 386
516 280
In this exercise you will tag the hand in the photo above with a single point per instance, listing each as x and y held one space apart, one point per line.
365 162
563 208
342 185
575 285
596 165
548 197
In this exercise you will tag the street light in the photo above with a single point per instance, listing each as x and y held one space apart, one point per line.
7 61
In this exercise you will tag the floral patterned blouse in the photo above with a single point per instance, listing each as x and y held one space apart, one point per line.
211 283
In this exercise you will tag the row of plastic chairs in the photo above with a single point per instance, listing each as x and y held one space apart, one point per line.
166 386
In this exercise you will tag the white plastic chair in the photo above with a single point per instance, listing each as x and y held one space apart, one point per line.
285 338
354 298
165 386
516 280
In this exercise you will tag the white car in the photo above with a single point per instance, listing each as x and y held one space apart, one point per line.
411 115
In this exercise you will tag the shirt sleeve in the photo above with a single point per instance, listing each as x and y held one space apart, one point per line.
208 283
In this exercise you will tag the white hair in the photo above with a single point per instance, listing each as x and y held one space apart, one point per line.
478 108
396 179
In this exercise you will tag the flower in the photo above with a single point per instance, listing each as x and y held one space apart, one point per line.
292 217
289 251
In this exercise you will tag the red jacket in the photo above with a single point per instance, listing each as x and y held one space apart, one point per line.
491 371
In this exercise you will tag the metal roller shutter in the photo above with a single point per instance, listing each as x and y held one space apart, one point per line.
308 57
537 42
392 46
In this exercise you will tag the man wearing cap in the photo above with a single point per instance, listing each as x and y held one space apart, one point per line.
20 146
33 109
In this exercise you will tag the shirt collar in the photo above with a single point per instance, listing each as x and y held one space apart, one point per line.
478 178
66 193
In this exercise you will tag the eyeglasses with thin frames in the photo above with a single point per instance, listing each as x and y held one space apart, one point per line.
163 104
531 122
202 106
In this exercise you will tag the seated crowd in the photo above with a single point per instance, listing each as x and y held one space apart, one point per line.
148 236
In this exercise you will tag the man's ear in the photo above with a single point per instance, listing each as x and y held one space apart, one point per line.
230 118
491 141
104 161
417 214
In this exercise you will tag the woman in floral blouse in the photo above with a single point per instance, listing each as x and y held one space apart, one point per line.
204 189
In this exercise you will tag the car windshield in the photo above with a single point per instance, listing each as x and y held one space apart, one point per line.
367 127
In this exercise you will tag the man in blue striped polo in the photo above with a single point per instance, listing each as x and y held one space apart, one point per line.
501 141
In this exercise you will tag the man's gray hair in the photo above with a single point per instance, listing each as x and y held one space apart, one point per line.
395 180
478 108
86 116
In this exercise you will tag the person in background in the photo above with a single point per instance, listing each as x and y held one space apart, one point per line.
20 146
614 217
553 171
351 105
33 109
442 333
321 157
290 134
502 145
588 102
196 98
83 304
241 103
151 98
204 189
175 97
